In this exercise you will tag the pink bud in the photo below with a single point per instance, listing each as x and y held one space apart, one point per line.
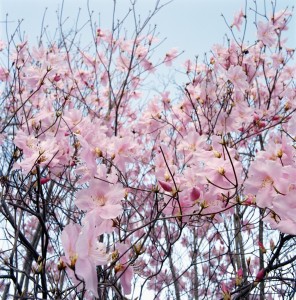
260 275
57 78
224 288
167 187
261 247
239 277
240 272
43 180
256 117
250 200
99 33
194 194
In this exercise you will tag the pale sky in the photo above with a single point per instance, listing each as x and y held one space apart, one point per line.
190 25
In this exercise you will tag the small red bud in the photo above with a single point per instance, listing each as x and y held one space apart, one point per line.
194 194
240 272
239 277
250 200
260 275
57 78
225 291
43 180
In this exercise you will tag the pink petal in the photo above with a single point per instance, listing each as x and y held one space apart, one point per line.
85 269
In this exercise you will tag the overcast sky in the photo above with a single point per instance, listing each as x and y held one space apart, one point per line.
190 25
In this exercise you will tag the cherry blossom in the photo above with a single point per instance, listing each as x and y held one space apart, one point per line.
112 185
266 33
101 197
238 78
238 20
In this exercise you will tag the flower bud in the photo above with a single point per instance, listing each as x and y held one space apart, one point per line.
225 291
43 180
239 277
167 187
57 78
61 265
194 194
250 200
119 268
261 247
260 275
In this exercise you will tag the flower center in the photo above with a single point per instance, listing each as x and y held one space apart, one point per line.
101 200
266 182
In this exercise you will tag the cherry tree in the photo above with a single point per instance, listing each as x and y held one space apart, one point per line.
188 194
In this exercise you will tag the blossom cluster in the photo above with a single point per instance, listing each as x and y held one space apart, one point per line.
121 188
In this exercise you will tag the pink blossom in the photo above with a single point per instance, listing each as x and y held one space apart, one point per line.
4 74
281 18
262 180
170 56
141 52
91 253
36 151
181 206
83 253
238 19
123 270
188 66
147 65
102 198
266 33
238 78
69 238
